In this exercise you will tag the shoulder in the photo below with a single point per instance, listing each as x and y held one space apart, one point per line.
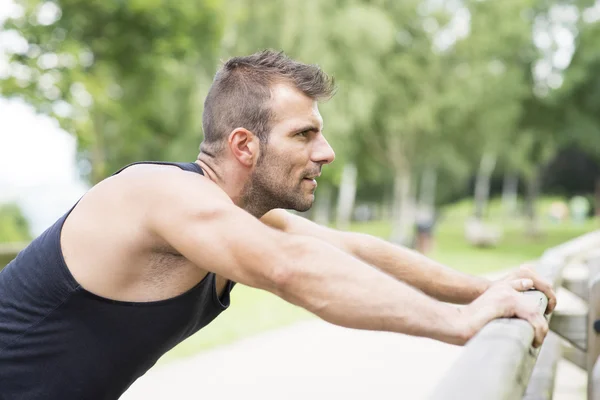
142 195
153 185
167 198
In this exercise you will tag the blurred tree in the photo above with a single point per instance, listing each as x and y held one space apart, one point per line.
579 97
125 77
496 84
514 115
13 225
427 88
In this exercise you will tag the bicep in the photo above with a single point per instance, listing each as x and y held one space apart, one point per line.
219 237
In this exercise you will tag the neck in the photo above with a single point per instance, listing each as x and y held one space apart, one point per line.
232 182
210 168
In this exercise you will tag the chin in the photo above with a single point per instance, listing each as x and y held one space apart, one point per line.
305 205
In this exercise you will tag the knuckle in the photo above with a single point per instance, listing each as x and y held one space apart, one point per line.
511 300
535 315
525 268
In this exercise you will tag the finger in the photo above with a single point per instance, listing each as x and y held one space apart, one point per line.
543 286
522 271
533 319
541 330
537 321
522 284
551 302
526 268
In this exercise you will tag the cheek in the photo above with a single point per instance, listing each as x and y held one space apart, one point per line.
279 170
289 164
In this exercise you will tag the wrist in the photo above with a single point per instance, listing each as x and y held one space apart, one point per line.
481 286
458 328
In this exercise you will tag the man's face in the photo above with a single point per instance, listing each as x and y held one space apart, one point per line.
284 176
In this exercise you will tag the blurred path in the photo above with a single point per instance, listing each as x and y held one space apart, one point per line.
316 360
310 360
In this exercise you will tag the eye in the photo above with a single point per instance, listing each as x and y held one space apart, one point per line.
303 133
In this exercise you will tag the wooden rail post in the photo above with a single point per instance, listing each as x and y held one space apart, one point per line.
497 363
593 339
541 384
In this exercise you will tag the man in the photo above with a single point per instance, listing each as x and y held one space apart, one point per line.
149 256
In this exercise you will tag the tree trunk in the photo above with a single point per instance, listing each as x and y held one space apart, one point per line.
402 209
509 193
533 190
482 183
322 208
597 205
427 189
347 195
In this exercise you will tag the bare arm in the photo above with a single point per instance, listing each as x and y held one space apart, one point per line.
199 221
433 278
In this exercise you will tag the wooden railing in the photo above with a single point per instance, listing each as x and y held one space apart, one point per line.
500 362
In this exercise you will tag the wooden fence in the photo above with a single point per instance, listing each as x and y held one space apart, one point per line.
500 363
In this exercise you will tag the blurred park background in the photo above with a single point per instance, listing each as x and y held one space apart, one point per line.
467 129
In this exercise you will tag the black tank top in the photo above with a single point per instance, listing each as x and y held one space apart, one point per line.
59 341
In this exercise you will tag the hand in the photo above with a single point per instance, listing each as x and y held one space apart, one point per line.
504 300
526 271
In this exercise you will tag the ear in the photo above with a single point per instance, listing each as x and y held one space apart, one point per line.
244 145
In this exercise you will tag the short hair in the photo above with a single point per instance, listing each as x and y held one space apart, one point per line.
241 90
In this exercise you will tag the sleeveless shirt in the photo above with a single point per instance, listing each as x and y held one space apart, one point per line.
60 341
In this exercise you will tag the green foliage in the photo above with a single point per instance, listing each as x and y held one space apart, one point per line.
129 78
13 225
579 98
125 77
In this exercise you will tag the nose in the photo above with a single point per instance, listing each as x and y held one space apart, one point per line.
322 151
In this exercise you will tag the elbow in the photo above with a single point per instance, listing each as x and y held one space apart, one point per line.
286 266
280 280
297 275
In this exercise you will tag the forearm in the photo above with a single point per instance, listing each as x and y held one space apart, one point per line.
345 291
433 278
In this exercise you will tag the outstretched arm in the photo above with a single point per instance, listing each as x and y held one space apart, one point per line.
198 220
433 278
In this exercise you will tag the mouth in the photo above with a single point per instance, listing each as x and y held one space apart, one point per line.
311 180
313 177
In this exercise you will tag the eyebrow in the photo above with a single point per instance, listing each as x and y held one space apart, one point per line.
310 127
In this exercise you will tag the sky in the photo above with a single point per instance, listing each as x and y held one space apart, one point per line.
37 165
37 159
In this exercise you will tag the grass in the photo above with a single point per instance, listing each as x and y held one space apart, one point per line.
451 248
253 311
